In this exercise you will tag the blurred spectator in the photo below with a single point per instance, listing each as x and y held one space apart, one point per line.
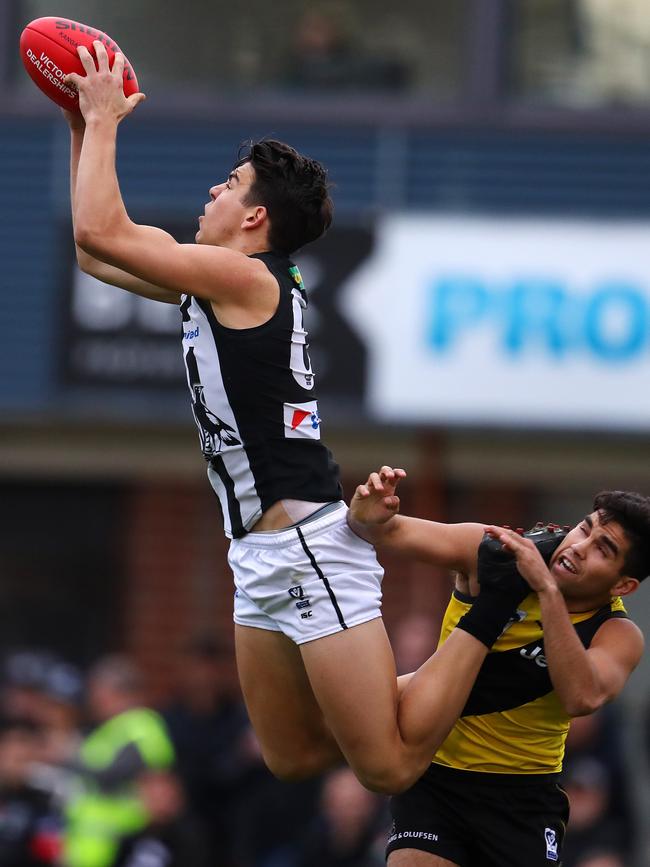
60 713
217 754
40 687
171 838
594 748
414 638
24 674
326 56
352 826
281 814
129 739
592 831
30 832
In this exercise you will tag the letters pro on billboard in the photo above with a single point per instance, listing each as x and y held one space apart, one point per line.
504 321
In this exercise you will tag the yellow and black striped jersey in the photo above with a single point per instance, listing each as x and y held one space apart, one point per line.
513 722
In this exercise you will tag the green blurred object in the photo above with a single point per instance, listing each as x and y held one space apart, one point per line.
107 808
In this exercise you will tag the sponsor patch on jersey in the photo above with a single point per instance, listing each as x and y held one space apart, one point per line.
301 420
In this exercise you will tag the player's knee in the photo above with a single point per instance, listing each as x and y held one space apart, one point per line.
385 778
296 767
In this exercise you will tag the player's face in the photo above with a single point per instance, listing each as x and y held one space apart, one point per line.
224 214
589 561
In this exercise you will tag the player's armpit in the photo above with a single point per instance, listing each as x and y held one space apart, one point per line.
122 279
225 277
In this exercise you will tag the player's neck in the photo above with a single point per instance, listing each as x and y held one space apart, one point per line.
247 245
582 606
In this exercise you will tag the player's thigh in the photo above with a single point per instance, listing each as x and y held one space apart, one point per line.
415 858
276 689
352 673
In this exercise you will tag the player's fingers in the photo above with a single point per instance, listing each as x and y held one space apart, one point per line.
391 503
118 65
102 56
493 530
374 482
72 78
362 491
86 59
135 99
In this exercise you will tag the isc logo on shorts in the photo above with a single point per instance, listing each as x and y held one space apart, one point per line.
301 420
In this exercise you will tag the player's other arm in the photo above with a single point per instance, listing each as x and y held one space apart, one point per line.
586 679
583 679
373 516
90 265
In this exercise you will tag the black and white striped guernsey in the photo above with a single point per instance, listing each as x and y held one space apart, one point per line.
254 403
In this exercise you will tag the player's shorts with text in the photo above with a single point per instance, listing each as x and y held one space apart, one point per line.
482 820
307 581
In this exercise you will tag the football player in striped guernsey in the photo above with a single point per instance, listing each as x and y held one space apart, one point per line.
315 664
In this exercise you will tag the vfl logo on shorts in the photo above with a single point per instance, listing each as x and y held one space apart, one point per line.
551 844
303 604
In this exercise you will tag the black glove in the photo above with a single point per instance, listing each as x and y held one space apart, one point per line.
502 587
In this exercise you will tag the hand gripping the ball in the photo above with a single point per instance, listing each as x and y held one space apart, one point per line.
503 587
48 49
101 94
497 566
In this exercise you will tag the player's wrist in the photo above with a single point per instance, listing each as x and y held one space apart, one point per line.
359 528
548 590
101 121
75 122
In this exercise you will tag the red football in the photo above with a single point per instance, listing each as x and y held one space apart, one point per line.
48 47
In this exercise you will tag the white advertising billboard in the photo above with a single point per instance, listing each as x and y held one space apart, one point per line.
539 323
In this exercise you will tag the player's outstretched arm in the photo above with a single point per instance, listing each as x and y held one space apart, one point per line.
373 516
104 230
88 264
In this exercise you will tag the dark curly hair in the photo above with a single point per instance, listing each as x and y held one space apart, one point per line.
294 190
632 512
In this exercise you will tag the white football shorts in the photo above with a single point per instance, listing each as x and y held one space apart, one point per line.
307 581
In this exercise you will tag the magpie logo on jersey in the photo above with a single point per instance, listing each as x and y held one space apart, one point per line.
301 420
214 433
551 844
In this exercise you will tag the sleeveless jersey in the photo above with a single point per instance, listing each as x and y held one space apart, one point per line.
254 403
513 722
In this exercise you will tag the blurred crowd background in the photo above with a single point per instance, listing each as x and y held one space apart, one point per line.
480 315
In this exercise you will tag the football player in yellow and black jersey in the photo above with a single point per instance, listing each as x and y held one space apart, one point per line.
490 797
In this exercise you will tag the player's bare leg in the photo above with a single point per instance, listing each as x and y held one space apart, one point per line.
289 724
388 743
